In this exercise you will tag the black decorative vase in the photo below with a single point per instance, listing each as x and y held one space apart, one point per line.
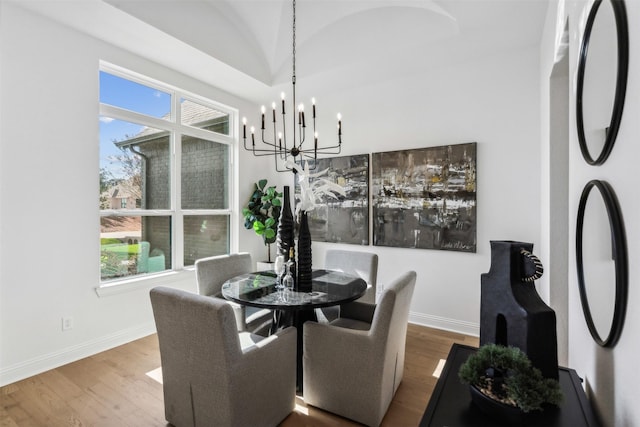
511 311
284 239
304 255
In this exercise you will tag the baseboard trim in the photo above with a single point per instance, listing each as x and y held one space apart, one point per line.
37 365
453 325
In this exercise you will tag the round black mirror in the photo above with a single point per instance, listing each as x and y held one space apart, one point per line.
603 65
601 257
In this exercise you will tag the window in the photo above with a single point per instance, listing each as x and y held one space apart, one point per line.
165 168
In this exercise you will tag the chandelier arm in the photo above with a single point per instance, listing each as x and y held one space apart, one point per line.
302 136
286 169
313 161
284 130
277 140
275 147
323 150
256 151
275 161
270 144
261 152
264 153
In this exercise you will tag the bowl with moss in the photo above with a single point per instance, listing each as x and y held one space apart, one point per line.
506 386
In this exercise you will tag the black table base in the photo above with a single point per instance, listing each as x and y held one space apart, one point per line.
286 318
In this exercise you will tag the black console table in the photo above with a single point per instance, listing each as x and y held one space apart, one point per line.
451 405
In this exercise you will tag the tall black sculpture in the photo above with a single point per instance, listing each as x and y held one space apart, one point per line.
511 311
304 255
285 242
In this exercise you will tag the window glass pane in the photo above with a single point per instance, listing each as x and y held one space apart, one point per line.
134 245
134 166
138 167
134 96
205 170
204 236
200 116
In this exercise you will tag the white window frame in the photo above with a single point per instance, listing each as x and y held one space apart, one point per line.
177 130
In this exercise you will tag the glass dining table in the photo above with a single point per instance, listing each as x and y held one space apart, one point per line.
292 308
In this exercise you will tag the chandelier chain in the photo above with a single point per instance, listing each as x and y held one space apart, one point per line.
294 41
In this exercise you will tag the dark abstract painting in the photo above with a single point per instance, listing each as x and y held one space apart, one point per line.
425 198
346 219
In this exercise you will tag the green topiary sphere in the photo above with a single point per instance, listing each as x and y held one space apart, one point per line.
506 374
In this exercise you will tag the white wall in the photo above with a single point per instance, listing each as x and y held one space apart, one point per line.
493 102
49 133
48 187
610 375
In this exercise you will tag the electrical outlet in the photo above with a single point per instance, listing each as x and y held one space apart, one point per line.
67 323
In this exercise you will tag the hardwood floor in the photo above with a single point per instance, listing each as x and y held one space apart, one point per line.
113 389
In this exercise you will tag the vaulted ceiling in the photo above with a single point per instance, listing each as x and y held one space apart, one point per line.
347 40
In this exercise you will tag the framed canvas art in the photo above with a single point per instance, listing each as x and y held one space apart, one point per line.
345 219
425 198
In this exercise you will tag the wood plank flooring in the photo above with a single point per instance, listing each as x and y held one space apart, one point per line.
113 389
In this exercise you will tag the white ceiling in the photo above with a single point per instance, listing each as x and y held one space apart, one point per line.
359 41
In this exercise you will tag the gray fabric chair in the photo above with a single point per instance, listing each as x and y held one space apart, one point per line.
358 263
214 375
353 365
213 271
362 264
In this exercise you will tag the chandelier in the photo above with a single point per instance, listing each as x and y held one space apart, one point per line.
288 154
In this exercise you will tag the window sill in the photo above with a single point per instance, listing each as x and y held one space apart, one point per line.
145 282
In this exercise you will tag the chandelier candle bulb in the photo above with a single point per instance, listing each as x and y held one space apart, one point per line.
253 135
283 109
273 106
244 127
263 110
301 115
313 103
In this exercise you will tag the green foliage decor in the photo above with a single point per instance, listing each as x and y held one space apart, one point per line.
507 375
262 212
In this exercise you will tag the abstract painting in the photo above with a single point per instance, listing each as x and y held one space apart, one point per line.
346 219
425 198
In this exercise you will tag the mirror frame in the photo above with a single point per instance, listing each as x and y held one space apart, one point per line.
622 31
619 255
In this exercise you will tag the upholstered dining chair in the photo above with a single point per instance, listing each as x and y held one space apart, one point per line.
358 263
353 365
212 272
214 375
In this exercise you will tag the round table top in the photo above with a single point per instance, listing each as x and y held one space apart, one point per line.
328 288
